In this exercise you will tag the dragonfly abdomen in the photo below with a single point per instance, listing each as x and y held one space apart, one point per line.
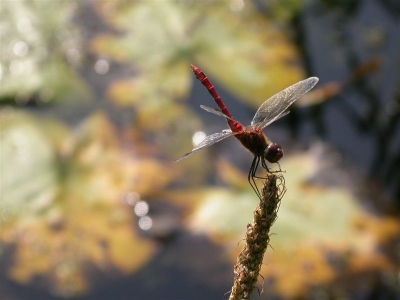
235 126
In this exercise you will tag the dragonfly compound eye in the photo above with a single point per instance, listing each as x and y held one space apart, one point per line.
273 153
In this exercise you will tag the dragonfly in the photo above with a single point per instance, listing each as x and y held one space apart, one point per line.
252 136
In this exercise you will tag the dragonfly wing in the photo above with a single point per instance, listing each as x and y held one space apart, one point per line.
264 124
272 108
216 112
208 141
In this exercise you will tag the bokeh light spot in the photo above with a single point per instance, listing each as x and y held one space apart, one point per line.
102 66
145 223
132 198
73 55
20 48
198 137
141 208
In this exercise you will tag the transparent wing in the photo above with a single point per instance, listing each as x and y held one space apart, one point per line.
262 125
215 112
208 141
272 108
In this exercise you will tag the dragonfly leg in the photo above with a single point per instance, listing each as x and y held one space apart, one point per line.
280 170
252 175
264 165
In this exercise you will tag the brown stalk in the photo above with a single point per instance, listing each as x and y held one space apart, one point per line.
257 238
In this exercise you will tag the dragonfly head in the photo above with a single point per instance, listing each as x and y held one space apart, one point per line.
273 152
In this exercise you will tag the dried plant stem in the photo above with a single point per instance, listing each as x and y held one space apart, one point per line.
250 259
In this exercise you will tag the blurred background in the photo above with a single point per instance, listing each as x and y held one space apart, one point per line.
97 100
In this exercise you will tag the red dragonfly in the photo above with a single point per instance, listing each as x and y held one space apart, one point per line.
252 136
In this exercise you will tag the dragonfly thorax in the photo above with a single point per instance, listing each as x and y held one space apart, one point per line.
273 152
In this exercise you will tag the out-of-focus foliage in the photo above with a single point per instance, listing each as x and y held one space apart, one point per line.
38 45
252 61
29 179
61 205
